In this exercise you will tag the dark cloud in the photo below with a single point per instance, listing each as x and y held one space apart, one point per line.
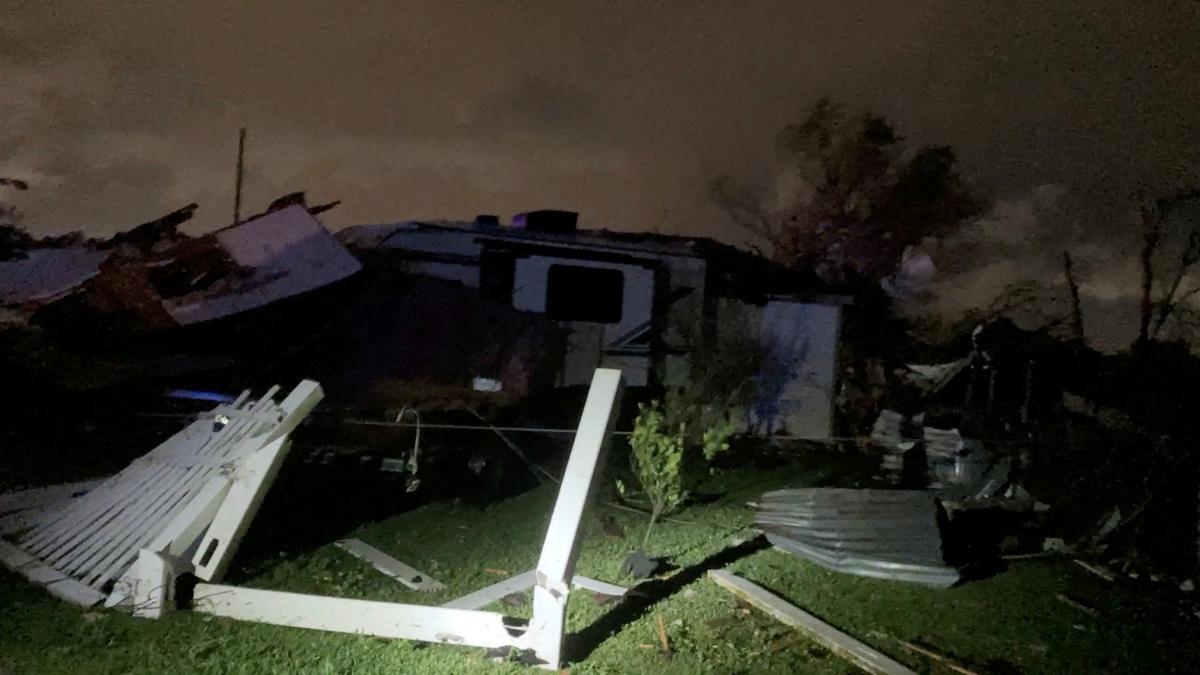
623 110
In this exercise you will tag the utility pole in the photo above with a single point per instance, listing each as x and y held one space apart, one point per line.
237 189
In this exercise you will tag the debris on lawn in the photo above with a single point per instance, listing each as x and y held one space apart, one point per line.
845 646
888 534
641 566
663 642
940 658
410 577
1097 570
1072 602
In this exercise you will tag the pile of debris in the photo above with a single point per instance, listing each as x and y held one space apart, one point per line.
889 534
154 276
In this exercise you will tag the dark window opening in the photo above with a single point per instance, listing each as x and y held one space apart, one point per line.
591 294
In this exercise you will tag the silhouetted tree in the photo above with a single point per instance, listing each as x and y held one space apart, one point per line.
864 198
1154 313
13 240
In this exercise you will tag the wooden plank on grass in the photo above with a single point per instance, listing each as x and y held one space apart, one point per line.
835 640
409 576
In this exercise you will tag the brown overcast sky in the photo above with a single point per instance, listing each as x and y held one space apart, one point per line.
118 112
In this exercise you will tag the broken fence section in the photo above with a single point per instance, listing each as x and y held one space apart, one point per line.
192 496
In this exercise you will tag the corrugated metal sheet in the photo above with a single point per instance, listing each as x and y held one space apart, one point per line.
889 534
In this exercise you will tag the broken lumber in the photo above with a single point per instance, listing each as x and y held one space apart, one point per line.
1072 602
1095 569
845 646
409 576
940 658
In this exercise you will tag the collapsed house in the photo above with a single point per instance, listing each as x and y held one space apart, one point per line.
645 303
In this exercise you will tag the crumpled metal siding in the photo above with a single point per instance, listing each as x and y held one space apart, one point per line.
888 534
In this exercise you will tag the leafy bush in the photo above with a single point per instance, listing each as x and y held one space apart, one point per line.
660 442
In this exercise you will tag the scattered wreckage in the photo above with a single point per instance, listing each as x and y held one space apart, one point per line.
180 511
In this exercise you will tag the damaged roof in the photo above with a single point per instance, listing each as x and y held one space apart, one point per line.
287 252
46 273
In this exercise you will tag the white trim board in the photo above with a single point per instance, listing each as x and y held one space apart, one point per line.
386 564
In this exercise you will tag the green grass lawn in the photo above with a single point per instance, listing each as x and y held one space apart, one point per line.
1012 622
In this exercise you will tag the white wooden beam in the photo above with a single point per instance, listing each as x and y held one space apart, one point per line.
556 565
409 576
233 518
597 586
489 594
843 645
364 617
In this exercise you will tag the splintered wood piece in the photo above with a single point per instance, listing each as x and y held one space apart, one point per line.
839 643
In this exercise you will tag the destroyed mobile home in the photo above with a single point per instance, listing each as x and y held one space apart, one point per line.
639 302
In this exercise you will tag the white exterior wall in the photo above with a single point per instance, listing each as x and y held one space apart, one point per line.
444 242
587 341
796 388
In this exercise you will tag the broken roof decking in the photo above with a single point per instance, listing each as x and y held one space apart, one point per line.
289 253
889 534
46 273
202 486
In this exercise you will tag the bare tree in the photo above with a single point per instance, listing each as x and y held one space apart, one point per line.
1154 314
1073 289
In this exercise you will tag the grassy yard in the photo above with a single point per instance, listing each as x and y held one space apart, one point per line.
1009 623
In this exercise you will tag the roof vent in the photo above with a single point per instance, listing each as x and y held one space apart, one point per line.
547 220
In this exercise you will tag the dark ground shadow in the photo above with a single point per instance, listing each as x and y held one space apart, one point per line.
579 645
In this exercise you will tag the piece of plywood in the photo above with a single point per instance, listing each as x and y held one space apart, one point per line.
363 617
409 576
843 645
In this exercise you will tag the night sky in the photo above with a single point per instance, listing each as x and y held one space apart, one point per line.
620 110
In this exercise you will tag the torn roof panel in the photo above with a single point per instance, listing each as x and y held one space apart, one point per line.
289 252
46 273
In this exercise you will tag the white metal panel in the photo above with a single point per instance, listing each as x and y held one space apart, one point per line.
795 392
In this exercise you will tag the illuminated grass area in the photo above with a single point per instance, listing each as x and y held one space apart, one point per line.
1009 623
